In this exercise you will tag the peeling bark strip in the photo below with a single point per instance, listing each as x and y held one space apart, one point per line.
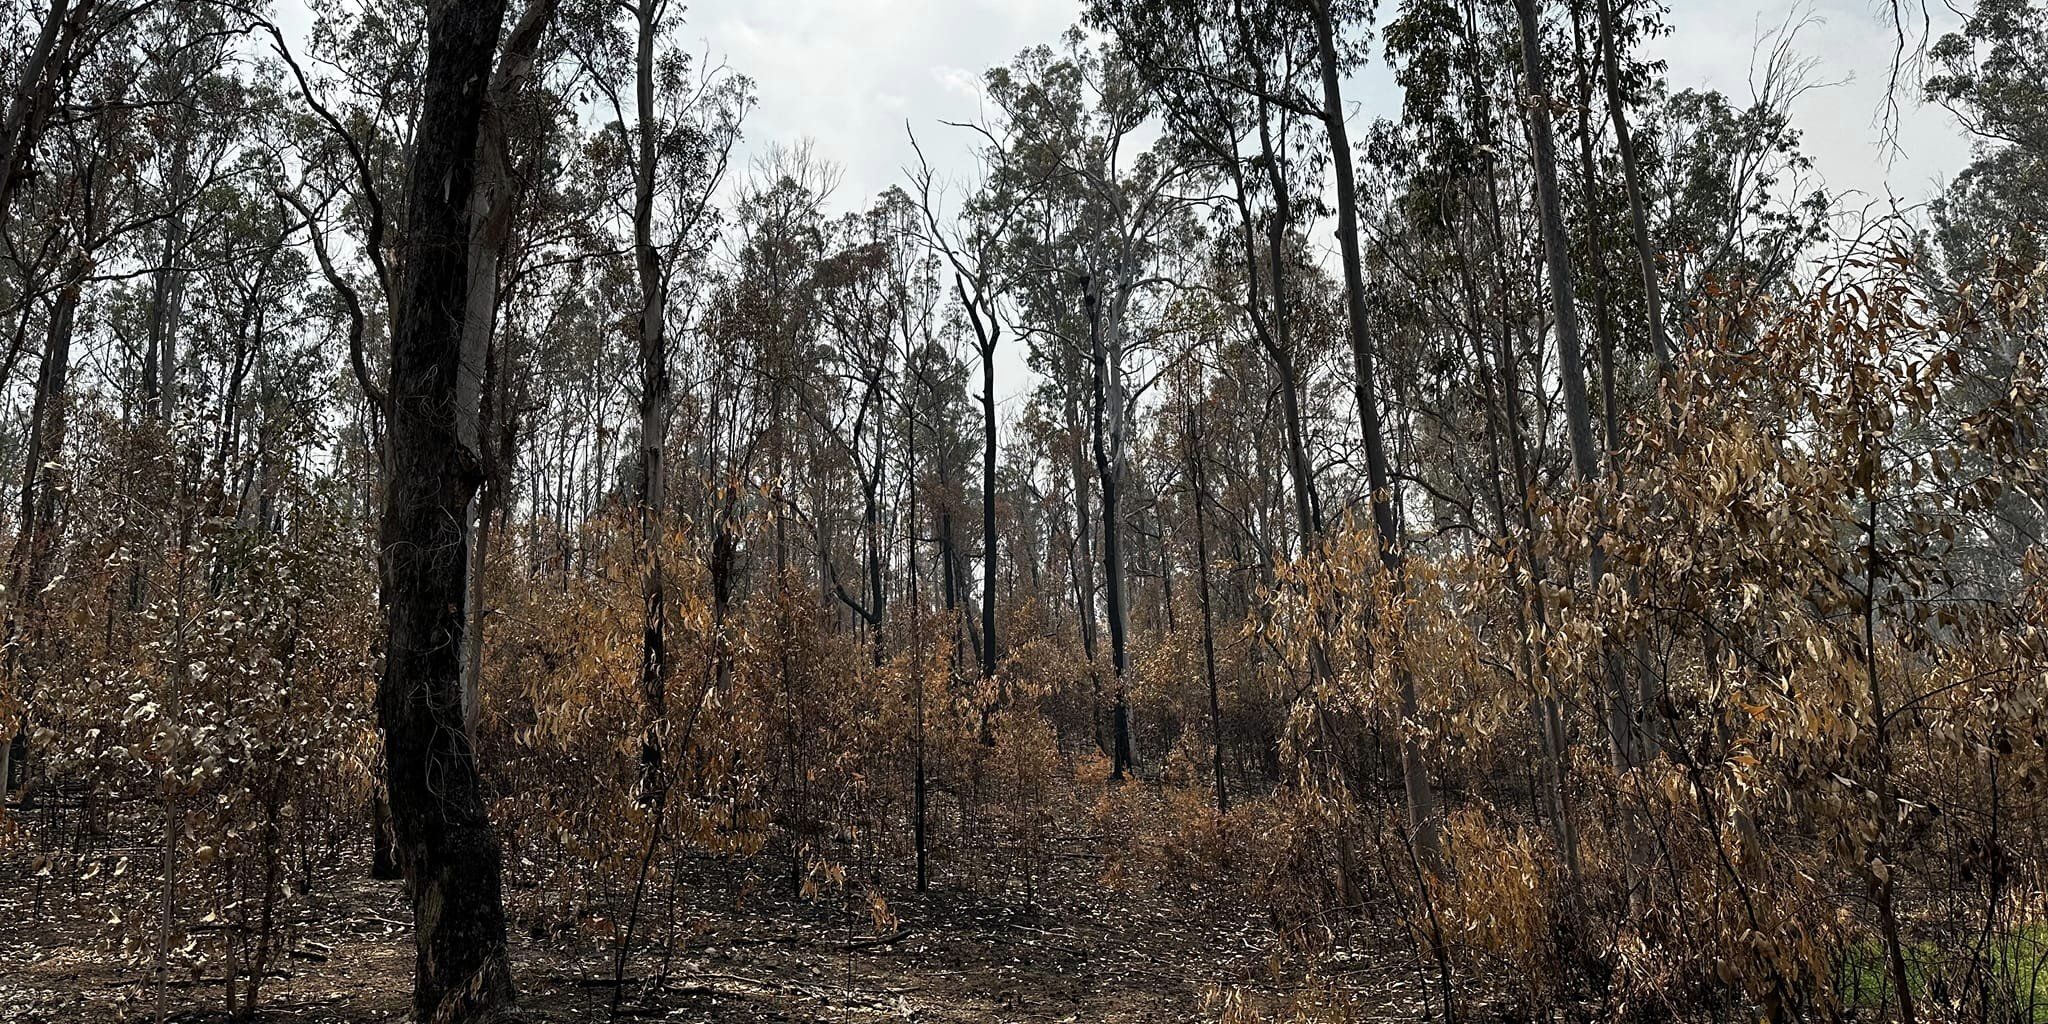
445 843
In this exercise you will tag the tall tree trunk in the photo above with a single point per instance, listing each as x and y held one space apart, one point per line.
917 665
1879 869
34 93
1109 464
1557 247
654 403
489 497
1641 733
1638 216
1421 798
1589 187
1571 359
1505 431
167 291
445 842
989 561
485 420
1084 567
951 576
1620 723
652 488
1552 738
32 96
1201 498
1278 341
877 610
29 561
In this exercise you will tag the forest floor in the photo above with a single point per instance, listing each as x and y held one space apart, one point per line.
1081 951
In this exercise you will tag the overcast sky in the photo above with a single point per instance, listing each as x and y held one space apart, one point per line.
847 74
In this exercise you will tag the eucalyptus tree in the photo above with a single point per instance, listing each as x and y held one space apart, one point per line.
71 203
1448 236
1231 81
766 302
1215 72
519 128
357 140
863 295
1988 73
1619 86
1072 125
263 366
1620 714
671 135
39 74
1028 214
189 145
940 443
1322 38
1740 207
916 290
981 288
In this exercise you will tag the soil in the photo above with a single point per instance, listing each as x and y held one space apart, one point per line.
1079 950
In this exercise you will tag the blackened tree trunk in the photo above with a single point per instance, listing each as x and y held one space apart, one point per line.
1109 464
917 666
1200 497
444 840
29 561
34 93
989 561
1307 511
949 566
654 402
1278 341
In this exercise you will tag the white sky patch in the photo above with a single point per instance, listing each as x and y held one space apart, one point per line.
849 75
959 81
1849 45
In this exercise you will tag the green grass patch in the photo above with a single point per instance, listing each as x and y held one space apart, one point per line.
2012 974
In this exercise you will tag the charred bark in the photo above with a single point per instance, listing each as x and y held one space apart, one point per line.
444 840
